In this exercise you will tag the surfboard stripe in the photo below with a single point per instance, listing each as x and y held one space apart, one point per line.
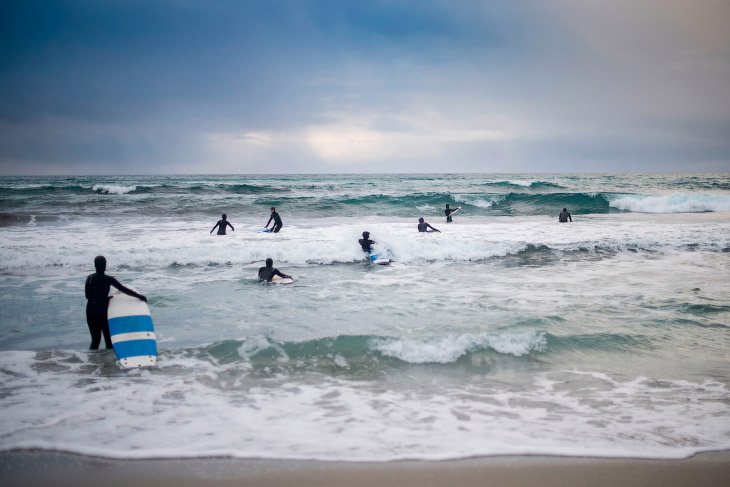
132 348
141 335
130 324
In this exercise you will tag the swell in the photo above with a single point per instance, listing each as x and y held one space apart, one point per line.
350 351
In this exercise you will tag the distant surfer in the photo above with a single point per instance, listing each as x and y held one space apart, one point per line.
97 293
449 211
267 273
277 221
365 242
222 224
564 216
424 227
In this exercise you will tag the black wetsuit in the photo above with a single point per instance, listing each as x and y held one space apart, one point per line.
423 227
267 273
277 222
97 292
365 244
222 224
564 217
448 212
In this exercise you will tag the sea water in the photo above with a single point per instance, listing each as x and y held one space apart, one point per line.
506 333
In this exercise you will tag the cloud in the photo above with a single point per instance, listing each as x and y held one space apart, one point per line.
363 86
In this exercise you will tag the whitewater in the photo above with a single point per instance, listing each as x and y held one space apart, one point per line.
506 333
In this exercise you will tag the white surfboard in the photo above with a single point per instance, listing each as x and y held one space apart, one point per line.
455 211
282 280
132 331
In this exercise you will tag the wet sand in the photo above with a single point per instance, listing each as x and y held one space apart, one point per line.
38 468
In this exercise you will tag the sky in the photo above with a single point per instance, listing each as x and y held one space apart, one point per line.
304 86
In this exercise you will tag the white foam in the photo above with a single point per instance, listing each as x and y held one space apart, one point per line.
155 244
195 408
674 203
449 349
113 189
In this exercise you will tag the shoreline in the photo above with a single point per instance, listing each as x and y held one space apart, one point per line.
40 467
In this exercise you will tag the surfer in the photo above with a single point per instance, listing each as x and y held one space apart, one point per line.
268 272
424 227
277 221
564 216
222 224
365 242
97 293
449 211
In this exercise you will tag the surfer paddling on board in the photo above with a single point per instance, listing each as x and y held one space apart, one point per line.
449 212
564 216
277 221
424 227
365 242
267 273
222 224
97 293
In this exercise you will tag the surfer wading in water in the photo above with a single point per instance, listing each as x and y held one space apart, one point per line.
365 242
564 216
222 224
425 227
449 211
277 221
267 273
97 293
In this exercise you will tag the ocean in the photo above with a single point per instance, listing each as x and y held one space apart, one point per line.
506 333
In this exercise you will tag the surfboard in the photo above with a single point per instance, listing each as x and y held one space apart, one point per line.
380 258
282 280
132 332
265 230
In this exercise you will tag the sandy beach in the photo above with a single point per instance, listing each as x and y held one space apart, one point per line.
25 468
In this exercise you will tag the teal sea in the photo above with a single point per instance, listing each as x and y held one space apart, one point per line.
506 333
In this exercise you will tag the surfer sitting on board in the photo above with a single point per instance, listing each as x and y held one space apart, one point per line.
424 227
564 216
268 272
365 242
449 211
222 224
277 221
97 293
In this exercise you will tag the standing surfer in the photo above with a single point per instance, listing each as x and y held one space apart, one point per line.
424 227
97 293
449 211
277 221
222 224
564 216
267 273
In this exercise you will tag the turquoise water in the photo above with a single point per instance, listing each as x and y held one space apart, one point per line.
506 333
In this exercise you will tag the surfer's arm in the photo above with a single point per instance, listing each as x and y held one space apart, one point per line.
125 290
434 229
214 227
86 287
267 223
284 276
229 224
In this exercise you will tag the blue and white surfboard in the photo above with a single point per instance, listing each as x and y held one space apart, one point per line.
132 332
381 258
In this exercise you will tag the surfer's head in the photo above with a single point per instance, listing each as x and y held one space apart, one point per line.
273 209
365 234
565 209
269 262
223 216
100 263
420 220
447 205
